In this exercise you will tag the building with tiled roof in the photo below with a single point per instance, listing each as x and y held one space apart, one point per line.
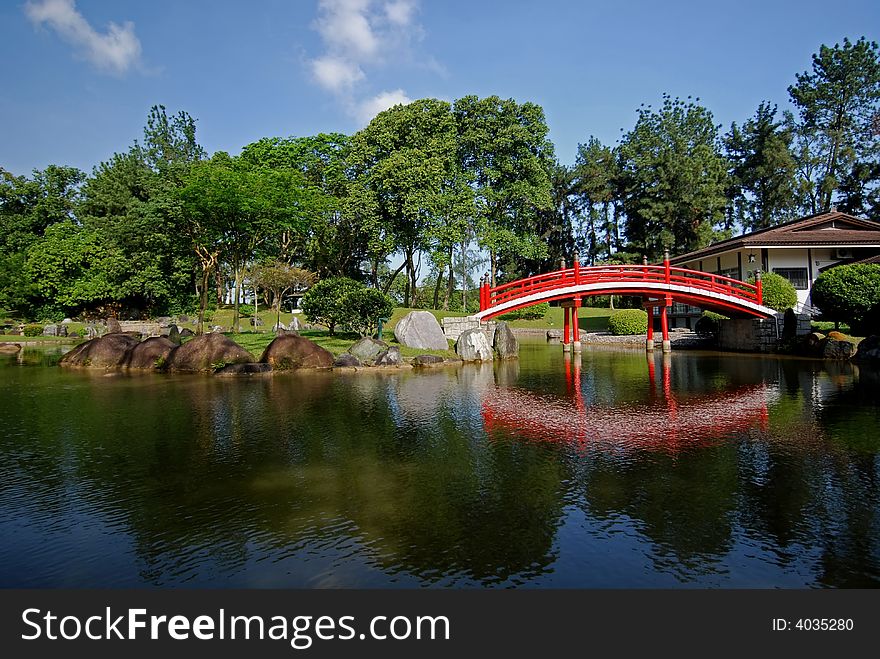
798 250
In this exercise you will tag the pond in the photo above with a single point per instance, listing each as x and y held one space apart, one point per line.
611 469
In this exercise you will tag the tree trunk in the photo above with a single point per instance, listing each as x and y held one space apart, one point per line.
203 298
493 259
437 285
391 279
464 274
450 283
236 320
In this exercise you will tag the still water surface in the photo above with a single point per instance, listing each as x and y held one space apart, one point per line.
614 470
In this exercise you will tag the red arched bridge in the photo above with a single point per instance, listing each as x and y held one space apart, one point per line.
658 285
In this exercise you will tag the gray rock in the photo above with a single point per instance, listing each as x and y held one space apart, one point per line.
427 360
504 342
164 321
554 335
257 322
66 321
91 332
50 330
295 325
346 360
62 330
368 350
834 349
473 346
186 331
183 318
174 335
869 349
216 330
113 326
419 329
389 357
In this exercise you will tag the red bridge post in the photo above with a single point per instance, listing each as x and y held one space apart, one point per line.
760 287
666 267
649 342
575 323
566 330
664 324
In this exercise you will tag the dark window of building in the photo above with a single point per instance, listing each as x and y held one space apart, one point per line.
797 277
733 273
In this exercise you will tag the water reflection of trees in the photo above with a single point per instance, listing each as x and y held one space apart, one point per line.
396 471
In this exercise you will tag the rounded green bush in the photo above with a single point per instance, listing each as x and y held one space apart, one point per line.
364 307
325 301
32 330
850 293
707 324
779 293
628 322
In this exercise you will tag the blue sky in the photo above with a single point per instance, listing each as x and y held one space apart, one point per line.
81 75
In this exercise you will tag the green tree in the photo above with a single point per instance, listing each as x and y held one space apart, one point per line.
596 185
850 293
778 292
325 301
838 105
505 154
279 278
673 178
363 309
763 172
406 163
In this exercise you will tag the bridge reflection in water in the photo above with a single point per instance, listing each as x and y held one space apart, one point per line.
660 422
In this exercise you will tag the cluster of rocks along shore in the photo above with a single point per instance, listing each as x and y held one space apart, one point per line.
216 353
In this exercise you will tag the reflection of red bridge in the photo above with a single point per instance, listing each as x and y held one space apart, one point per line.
660 423
658 285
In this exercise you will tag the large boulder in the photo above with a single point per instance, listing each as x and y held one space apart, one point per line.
504 342
834 349
9 348
473 346
428 360
208 352
174 335
152 353
554 335
292 351
419 329
107 351
869 350
390 357
295 325
367 350
346 360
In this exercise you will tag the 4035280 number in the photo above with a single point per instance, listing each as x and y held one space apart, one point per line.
824 624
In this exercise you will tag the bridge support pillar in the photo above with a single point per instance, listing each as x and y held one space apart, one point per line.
664 326
649 342
566 330
575 324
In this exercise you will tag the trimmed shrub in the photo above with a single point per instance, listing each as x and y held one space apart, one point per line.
325 301
534 312
779 293
850 293
246 309
364 307
628 322
32 330
707 324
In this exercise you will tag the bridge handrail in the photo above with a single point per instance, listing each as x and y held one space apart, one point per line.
707 281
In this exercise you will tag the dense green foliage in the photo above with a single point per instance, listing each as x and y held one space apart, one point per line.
364 307
628 322
534 312
325 302
32 330
850 293
778 292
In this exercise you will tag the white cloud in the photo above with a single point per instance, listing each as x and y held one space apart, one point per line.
115 50
345 27
360 36
370 107
400 12
336 74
